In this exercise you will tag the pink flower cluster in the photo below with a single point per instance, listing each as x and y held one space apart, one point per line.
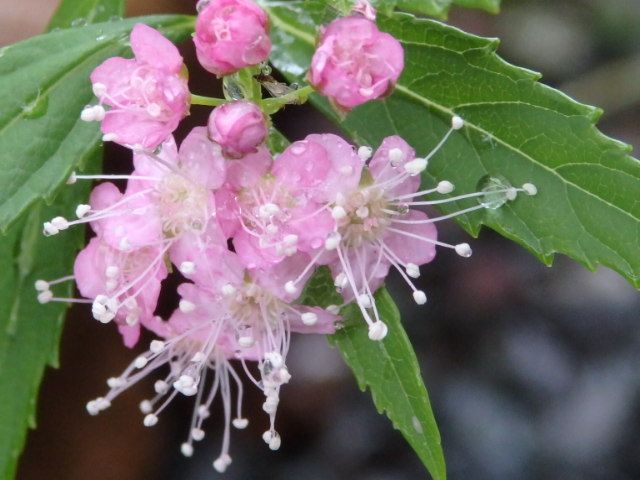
241 229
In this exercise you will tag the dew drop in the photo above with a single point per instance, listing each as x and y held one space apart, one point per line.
201 5
232 89
495 191
79 22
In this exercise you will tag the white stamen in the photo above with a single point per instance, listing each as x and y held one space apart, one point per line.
72 179
111 271
332 241
186 306
378 330
146 406
445 187
161 387
49 229
221 463
309 318
82 210
365 153
413 270
156 346
99 89
511 194
334 309
203 411
197 434
530 189
290 239
87 114
140 362
42 285
420 297
124 244
150 420
415 166
109 137
395 156
187 268
275 442
290 287
362 212
364 300
456 122
115 382
246 342
240 423
463 249
338 212
199 357
341 280
228 290
45 296
268 210
186 449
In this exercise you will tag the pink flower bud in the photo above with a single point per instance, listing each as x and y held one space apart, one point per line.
238 127
355 62
230 35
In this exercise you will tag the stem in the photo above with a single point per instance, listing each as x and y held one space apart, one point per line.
206 101
300 95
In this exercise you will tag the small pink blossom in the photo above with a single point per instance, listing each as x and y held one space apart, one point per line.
230 35
355 62
364 8
238 127
124 287
148 95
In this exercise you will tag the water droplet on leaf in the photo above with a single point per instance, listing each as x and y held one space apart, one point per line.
495 191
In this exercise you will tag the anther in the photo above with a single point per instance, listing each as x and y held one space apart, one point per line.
198 357
49 229
161 387
246 342
309 318
82 210
186 306
415 166
228 290
364 300
290 287
395 156
378 330
338 212
115 382
275 442
72 178
240 423
156 346
99 89
463 249
140 362
146 406
445 187
45 296
111 271
187 268
268 210
332 241
197 434
365 153
456 122
530 189
420 297
109 137
221 463
413 270
41 285
362 212
150 420
186 449
334 309
290 239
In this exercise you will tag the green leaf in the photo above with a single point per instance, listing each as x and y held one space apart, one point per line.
84 12
491 6
45 86
388 368
588 184
30 332
434 8
39 145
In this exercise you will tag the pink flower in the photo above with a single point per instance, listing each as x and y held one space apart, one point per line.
230 35
123 287
355 62
148 95
238 127
364 8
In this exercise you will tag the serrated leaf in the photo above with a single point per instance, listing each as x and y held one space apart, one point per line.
45 86
388 368
30 332
588 184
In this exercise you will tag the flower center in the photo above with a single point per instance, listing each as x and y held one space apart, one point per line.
182 205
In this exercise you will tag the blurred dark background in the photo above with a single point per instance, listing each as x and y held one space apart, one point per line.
534 373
